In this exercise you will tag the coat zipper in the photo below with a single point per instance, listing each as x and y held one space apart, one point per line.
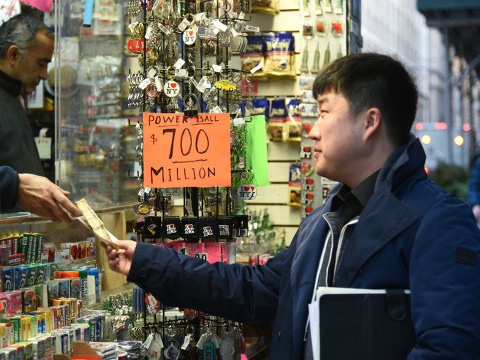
339 246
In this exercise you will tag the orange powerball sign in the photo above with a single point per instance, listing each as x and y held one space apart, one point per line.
184 152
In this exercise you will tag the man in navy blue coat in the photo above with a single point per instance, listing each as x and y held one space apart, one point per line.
386 225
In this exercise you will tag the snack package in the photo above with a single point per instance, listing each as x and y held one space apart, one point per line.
270 7
280 55
294 121
260 106
276 122
254 55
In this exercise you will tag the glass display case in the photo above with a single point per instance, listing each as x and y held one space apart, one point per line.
95 130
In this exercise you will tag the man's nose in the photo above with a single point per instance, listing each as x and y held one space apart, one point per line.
43 74
314 132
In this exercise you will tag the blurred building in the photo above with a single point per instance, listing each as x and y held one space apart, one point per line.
448 109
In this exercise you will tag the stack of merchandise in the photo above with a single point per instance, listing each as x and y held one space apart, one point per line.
133 350
106 350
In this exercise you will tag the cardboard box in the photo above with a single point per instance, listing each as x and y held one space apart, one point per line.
81 351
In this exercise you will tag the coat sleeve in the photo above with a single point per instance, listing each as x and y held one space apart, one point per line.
233 291
445 283
8 188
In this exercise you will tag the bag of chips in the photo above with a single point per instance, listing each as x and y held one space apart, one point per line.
253 56
270 7
280 55
276 122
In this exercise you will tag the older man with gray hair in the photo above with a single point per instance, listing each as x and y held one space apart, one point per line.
26 48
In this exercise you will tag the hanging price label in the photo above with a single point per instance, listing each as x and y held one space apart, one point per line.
182 152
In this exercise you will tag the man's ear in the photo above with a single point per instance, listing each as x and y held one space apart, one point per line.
373 121
13 54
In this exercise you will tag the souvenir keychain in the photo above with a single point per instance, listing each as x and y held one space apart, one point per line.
306 210
307 198
316 60
151 90
188 202
171 49
337 28
328 6
239 151
326 57
321 27
134 7
247 192
189 34
209 351
189 37
171 87
239 41
208 344
135 94
139 147
207 197
306 7
142 207
227 348
307 30
172 347
339 52
225 40
307 168
190 102
339 7
154 346
318 7
304 64
189 338
308 184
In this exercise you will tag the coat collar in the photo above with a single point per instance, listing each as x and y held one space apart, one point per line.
9 84
370 234
402 164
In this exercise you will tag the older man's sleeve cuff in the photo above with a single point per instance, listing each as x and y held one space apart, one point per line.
9 182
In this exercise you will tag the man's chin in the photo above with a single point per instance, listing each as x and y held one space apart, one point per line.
29 91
